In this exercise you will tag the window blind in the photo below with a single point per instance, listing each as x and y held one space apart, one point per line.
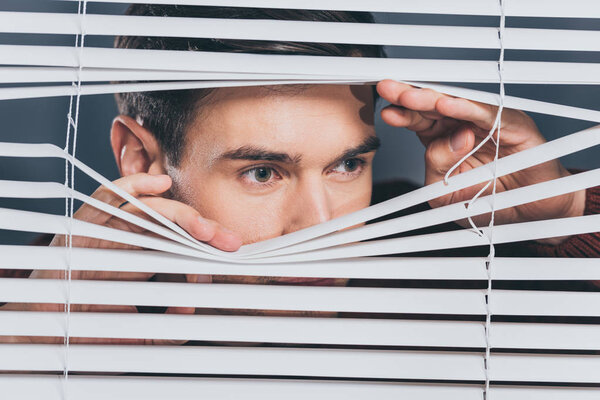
464 342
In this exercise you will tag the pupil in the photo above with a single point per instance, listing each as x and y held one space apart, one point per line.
262 174
350 165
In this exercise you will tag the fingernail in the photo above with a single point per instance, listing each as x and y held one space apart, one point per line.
458 141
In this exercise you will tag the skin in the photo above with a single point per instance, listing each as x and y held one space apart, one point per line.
297 184
260 163
451 127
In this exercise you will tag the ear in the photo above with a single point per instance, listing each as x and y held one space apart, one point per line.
135 148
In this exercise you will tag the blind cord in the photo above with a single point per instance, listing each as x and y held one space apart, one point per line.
490 260
73 123
496 127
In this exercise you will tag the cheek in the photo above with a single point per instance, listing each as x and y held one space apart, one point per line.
349 197
260 217
254 218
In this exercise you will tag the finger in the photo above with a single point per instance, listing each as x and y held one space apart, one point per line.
391 90
415 99
225 239
438 129
482 115
404 118
136 185
444 152
421 100
189 219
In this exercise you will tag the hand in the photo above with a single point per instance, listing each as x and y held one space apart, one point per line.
451 127
146 188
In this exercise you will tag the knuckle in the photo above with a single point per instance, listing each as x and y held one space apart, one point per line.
430 155
432 160
415 119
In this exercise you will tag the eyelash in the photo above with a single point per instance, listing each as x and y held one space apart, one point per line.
359 168
246 175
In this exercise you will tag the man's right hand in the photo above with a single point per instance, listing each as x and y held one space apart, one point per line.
147 188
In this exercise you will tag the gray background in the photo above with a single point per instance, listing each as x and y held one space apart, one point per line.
401 156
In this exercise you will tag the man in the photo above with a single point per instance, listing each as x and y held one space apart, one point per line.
246 159
239 165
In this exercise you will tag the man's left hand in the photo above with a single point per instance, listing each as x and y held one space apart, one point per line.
451 127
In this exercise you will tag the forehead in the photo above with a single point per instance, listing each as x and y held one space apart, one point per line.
284 117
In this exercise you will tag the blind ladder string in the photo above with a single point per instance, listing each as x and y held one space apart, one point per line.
492 253
70 123
493 182
69 202
496 124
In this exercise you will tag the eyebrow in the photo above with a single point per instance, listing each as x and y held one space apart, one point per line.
370 144
253 153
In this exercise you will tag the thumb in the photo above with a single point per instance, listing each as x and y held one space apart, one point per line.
444 152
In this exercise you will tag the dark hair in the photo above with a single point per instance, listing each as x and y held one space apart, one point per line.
167 113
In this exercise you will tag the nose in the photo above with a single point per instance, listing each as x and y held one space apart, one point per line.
309 204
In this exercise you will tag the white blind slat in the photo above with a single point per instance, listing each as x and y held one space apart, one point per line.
508 233
524 302
31 387
245 361
226 79
29 221
546 368
519 103
301 362
48 223
307 298
93 259
545 336
547 393
303 298
69 74
341 331
349 68
541 268
301 31
12 93
448 268
522 8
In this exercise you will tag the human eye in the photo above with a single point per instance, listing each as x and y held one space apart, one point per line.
261 176
349 167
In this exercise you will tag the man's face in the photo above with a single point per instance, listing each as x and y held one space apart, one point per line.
266 162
